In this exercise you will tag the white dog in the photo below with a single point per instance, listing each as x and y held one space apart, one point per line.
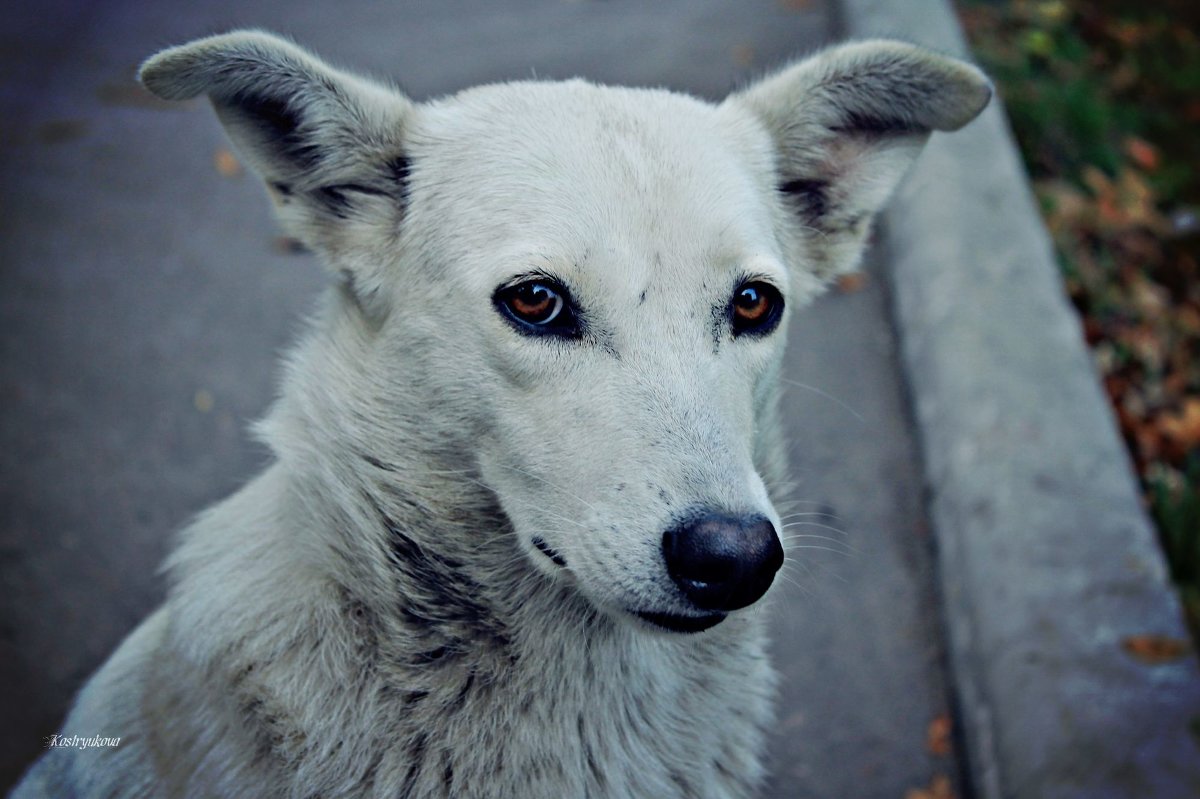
526 459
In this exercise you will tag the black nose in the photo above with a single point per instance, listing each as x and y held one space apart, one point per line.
723 562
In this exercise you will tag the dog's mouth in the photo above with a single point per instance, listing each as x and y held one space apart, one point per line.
680 624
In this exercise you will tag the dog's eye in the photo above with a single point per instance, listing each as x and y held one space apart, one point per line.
755 308
538 306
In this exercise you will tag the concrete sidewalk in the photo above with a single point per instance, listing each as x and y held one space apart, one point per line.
1049 567
145 297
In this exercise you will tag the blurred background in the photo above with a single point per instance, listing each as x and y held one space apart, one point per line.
1104 99
146 295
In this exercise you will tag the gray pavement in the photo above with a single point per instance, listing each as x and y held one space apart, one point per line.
1048 564
144 300
857 633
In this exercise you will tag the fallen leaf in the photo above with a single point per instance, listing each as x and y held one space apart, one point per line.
286 245
226 163
1066 205
1039 43
1142 153
743 55
203 400
851 282
937 737
1183 428
1130 34
939 788
1053 12
1124 203
1155 649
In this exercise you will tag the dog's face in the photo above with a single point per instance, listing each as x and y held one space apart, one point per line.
597 280
624 303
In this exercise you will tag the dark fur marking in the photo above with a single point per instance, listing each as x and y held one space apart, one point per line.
416 750
349 287
550 552
436 594
810 197
589 756
279 123
363 624
875 126
414 697
432 656
334 200
360 188
275 737
378 464
685 787
400 171
416 757
721 320
282 188
461 699
406 549
447 773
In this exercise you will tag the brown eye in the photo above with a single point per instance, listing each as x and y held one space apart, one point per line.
535 303
537 306
756 308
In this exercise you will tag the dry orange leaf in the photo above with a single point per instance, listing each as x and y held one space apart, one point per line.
1155 649
939 788
286 245
1124 203
1142 153
203 400
937 737
226 163
851 282
1183 427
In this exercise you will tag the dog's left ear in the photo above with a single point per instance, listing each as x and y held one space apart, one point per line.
846 125
328 144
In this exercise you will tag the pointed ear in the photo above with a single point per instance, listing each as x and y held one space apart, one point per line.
328 144
846 124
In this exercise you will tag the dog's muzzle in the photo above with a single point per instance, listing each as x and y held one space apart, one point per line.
723 563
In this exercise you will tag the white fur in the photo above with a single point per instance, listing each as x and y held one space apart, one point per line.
370 616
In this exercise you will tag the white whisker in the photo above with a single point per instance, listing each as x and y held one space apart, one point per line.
829 397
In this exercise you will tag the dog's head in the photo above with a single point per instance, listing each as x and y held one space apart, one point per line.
588 286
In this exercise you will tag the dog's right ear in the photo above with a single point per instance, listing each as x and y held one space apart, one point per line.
328 144
846 124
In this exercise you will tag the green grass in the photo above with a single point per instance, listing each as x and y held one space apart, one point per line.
1104 99
1176 510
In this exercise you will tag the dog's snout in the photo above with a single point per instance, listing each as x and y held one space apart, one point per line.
723 562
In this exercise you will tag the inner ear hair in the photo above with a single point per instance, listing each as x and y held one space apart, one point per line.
846 124
315 134
877 86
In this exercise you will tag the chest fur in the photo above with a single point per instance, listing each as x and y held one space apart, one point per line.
617 713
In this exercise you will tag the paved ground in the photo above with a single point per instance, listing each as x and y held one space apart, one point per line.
144 299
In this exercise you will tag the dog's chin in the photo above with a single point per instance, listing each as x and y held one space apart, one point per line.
680 624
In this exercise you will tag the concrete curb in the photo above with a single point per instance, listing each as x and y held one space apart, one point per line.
1047 560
